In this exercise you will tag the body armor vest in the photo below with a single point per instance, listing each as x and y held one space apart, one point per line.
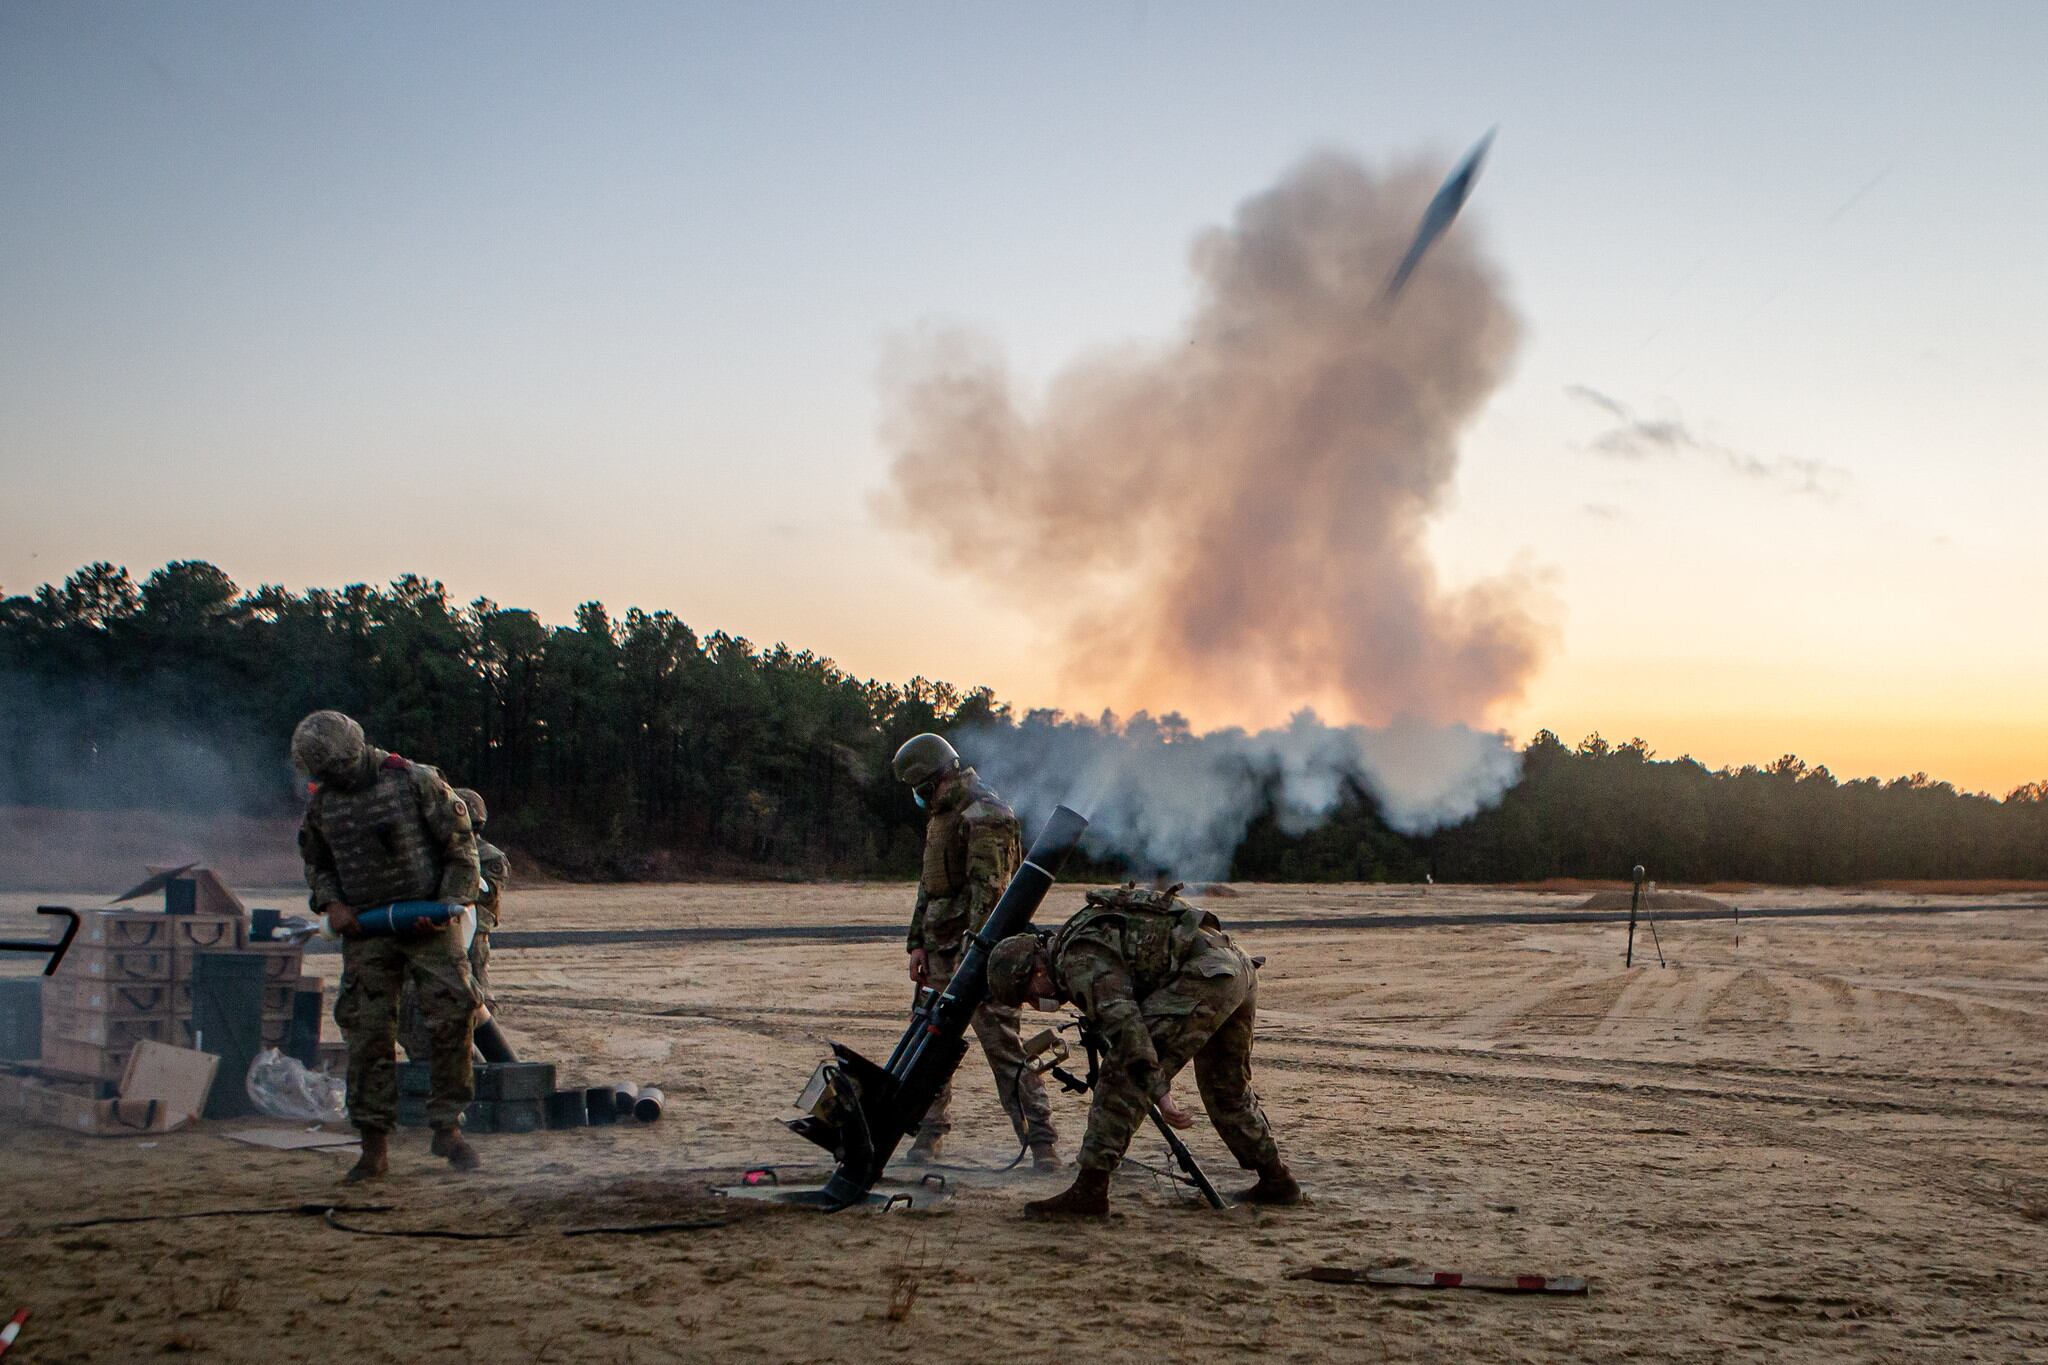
944 874
382 849
945 855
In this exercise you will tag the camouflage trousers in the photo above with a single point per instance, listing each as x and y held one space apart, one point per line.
1022 1094
413 1034
374 971
1207 1020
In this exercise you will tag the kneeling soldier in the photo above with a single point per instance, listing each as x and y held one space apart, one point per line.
1161 984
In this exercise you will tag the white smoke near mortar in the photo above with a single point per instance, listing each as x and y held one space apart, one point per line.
1165 800
1233 524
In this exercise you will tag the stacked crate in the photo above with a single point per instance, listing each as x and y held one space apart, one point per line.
128 977
510 1097
114 990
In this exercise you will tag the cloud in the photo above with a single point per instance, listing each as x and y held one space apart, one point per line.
1641 438
1597 399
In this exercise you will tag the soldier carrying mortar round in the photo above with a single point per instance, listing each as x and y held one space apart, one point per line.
379 830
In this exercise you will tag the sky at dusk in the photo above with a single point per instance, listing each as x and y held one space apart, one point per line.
558 302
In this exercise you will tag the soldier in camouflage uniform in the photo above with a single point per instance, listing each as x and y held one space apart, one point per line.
413 1034
497 873
1161 985
972 847
379 829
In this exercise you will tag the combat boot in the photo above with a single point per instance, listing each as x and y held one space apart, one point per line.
375 1160
1087 1197
926 1150
1276 1186
1045 1157
448 1142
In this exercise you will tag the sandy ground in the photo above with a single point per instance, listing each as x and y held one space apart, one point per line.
1827 1141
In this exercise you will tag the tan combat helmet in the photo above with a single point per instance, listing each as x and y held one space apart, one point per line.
472 803
326 745
1010 964
924 757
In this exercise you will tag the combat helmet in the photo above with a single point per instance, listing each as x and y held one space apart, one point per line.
327 744
1009 969
474 804
924 757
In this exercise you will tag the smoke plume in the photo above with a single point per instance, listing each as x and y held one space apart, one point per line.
1166 800
1233 523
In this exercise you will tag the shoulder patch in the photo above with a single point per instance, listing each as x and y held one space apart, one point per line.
394 762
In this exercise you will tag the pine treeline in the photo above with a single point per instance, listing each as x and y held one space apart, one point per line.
634 746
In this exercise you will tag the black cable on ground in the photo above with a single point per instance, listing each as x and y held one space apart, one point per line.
442 1234
307 1210
452 1235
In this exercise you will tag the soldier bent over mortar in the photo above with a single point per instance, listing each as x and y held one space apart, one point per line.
1161 984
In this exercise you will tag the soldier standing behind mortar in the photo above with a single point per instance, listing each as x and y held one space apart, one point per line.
497 871
972 847
1161 984
379 829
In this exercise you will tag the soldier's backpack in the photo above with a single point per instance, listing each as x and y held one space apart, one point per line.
1161 933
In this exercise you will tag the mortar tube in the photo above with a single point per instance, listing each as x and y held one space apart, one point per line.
648 1107
932 1047
624 1097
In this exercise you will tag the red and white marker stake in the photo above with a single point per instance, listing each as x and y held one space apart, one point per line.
1442 1279
12 1330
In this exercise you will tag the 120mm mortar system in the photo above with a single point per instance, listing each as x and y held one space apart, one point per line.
859 1111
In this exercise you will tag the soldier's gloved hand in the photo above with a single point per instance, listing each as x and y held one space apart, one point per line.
341 919
919 970
1175 1116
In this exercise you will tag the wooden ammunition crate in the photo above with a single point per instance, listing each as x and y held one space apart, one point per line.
119 964
84 1061
283 961
276 996
123 929
67 1104
121 999
201 934
106 1030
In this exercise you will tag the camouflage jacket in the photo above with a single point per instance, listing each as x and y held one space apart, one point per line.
497 875
1120 959
394 832
973 845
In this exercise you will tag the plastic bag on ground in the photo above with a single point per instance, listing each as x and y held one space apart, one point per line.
283 1088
